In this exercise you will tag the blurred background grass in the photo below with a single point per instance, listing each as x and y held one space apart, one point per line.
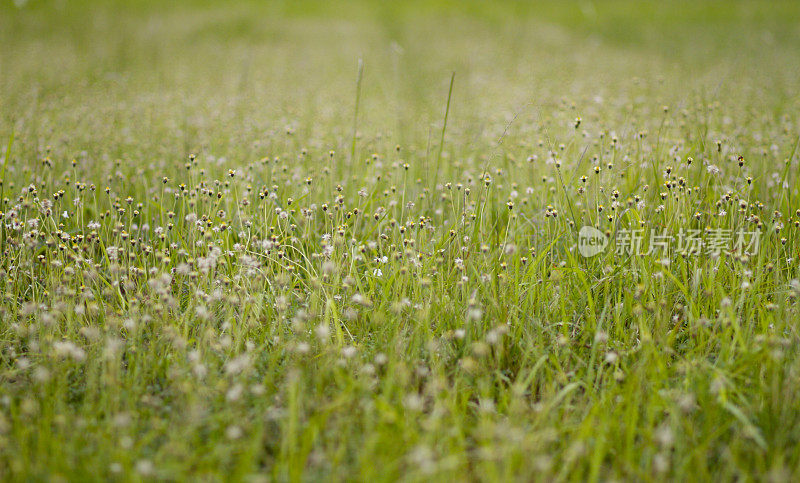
668 28
126 78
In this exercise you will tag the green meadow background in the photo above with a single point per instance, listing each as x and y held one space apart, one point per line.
517 362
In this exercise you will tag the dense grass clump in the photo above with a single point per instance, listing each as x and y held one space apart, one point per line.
286 242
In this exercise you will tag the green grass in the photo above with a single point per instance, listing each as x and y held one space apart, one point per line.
279 241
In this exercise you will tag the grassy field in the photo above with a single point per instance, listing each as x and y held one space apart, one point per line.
297 241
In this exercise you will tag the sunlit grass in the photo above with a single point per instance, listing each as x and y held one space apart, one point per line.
281 242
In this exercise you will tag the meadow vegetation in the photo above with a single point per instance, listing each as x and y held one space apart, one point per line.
299 241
